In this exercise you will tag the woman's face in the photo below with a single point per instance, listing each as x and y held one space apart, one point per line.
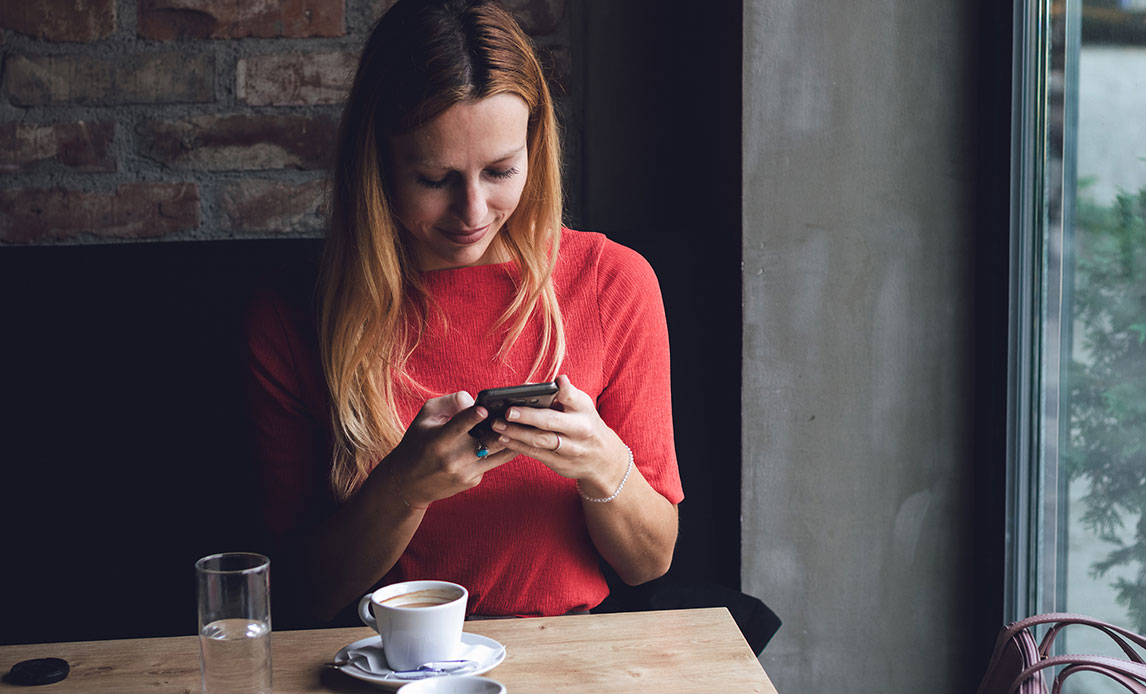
458 178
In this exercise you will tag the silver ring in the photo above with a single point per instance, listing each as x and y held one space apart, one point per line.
481 451
558 446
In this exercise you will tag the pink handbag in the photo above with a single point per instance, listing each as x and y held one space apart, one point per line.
1018 662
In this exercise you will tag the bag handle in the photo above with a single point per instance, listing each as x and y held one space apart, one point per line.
1126 671
1023 647
1023 640
1063 619
1132 685
1023 644
1113 631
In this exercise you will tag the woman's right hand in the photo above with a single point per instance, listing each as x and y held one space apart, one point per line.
437 457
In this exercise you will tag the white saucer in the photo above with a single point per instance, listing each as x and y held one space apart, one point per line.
386 680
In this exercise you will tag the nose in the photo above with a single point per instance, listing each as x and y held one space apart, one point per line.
470 204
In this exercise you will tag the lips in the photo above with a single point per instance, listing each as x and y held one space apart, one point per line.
465 237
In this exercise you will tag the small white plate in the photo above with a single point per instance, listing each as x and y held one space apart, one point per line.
386 679
462 684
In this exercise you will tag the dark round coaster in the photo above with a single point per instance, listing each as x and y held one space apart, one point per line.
38 671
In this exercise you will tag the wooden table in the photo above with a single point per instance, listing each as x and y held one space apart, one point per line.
671 651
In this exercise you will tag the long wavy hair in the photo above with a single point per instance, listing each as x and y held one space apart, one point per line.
422 57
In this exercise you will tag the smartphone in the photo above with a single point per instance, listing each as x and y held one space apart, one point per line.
498 400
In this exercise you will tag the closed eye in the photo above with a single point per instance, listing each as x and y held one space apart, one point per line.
432 183
503 174
439 183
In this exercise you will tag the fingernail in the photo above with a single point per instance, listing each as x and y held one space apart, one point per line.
499 425
482 411
502 439
512 414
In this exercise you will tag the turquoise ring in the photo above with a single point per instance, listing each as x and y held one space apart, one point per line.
481 450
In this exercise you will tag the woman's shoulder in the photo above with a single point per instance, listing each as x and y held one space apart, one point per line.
270 309
282 323
593 254
283 356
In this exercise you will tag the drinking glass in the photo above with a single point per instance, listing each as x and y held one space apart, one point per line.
235 623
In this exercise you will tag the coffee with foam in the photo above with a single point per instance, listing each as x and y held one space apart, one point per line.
419 621
422 598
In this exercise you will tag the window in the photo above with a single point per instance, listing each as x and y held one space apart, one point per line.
1077 478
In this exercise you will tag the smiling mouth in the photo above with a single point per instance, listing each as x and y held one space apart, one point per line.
466 236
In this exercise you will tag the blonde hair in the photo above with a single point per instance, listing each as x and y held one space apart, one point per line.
423 57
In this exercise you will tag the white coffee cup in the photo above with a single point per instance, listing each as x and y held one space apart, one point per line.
454 685
419 621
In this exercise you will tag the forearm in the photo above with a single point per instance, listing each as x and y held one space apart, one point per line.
636 531
361 542
337 561
632 525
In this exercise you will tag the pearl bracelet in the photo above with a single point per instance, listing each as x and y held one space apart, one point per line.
607 499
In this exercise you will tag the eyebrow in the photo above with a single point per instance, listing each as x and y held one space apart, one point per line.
431 164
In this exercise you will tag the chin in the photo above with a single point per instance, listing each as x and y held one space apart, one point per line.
460 259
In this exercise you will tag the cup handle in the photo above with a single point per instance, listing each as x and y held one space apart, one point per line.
364 612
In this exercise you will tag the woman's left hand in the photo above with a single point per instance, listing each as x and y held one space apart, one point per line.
635 531
571 439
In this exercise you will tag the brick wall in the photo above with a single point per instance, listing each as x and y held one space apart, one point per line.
185 119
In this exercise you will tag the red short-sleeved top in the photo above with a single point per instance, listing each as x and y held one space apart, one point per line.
518 541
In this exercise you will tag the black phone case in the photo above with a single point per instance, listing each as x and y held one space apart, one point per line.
498 400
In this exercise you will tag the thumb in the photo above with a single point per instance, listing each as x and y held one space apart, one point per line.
467 416
567 395
442 408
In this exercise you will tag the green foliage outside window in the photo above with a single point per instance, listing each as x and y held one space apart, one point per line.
1108 386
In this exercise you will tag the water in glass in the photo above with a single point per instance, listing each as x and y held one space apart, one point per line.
236 657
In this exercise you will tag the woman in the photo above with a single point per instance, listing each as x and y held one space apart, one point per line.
446 270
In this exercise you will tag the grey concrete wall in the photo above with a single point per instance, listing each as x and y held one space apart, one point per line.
858 209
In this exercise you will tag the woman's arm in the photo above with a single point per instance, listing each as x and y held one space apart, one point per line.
636 530
339 559
362 540
325 554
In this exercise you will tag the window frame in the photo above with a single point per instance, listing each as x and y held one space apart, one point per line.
1043 184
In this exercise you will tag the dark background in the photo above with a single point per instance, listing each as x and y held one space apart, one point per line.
990 269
